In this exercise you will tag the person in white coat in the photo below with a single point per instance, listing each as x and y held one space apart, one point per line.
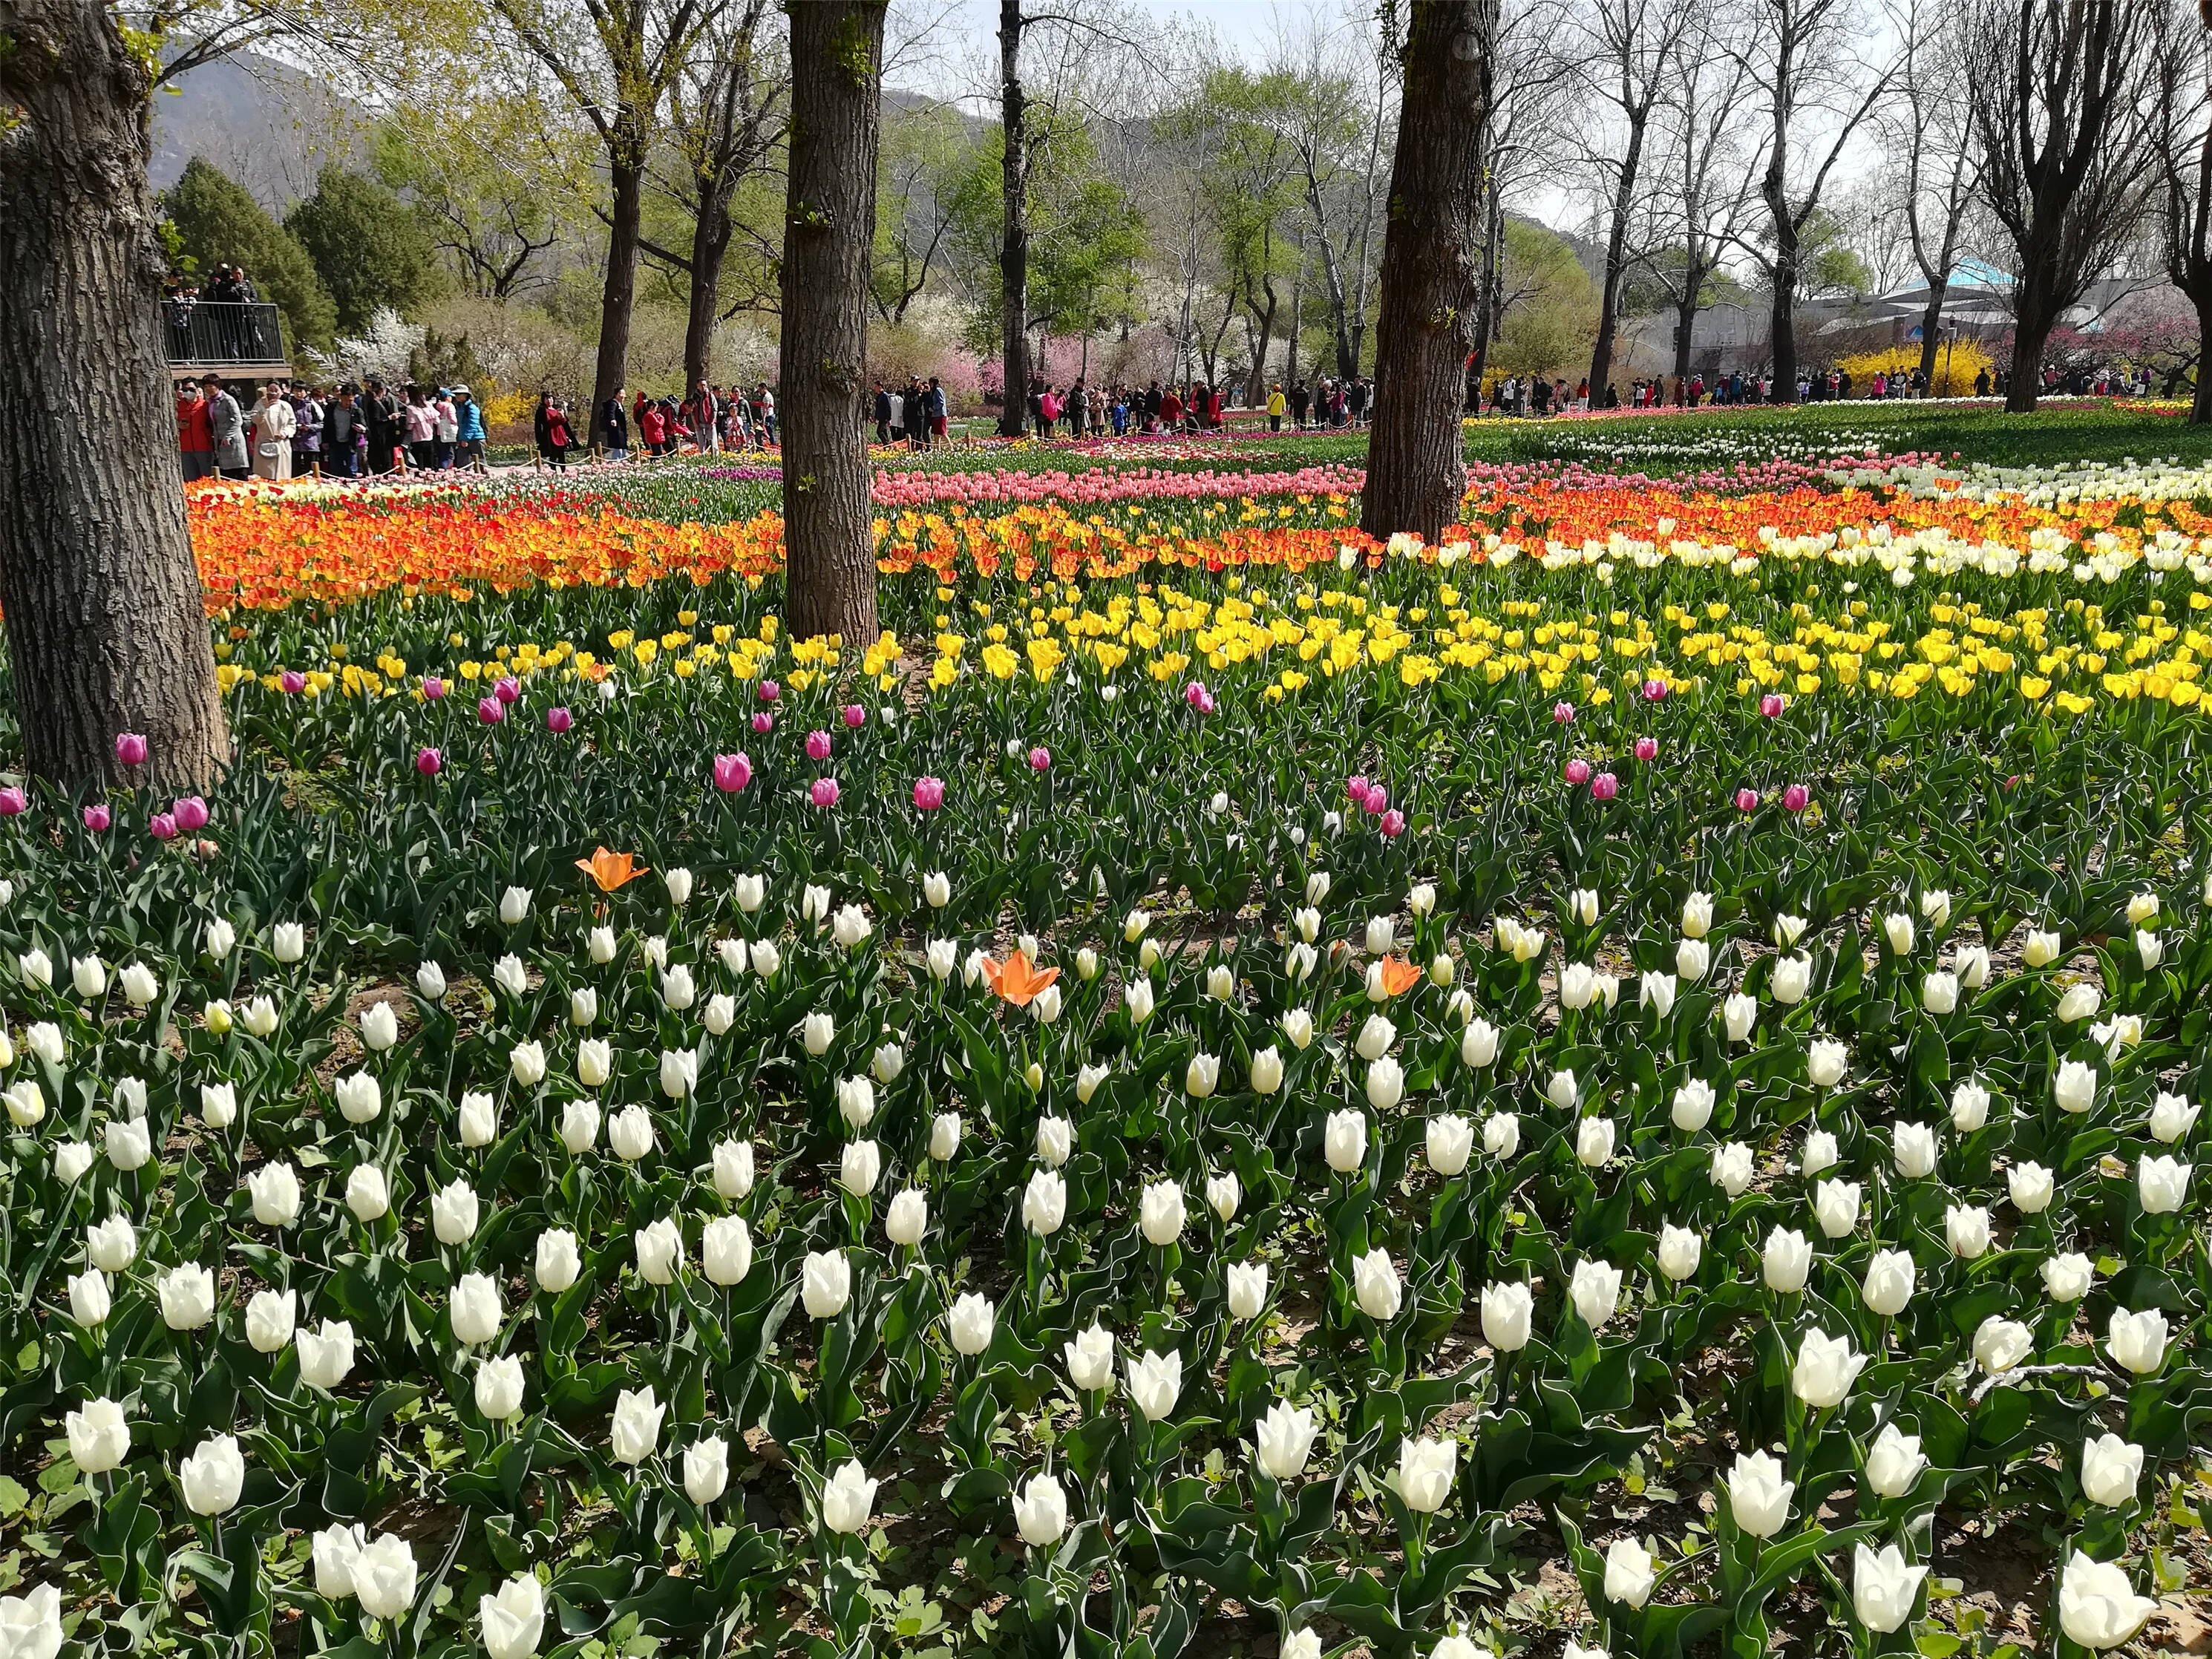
273 423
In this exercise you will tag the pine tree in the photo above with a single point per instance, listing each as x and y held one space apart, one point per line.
217 222
368 246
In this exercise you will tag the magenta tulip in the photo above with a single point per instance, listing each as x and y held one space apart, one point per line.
13 801
433 687
855 716
825 791
97 817
1796 797
928 793
162 827
131 748
1577 770
1393 823
429 762
507 689
1655 691
292 681
1604 787
490 710
1199 698
1771 704
1562 714
190 811
763 723
732 772
1747 801
1355 787
1040 759
818 745
1377 799
559 720
1647 749
769 691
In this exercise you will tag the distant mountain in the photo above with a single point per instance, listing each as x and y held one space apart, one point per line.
264 123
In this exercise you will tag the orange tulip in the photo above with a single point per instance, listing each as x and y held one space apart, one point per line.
1399 975
1017 978
610 870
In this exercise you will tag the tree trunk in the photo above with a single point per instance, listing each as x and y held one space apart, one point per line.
1616 263
106 630
1431 267
1781 322
1485 310
829 556
1686 330
1255 388
1014 250
1339 316
1931 324
2200 408
710 247
2033 316
626 184
1290 340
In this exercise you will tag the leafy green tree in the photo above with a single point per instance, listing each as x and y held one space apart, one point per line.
1550 314
371 249
217 223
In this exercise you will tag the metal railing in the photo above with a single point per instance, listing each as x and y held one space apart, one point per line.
219 333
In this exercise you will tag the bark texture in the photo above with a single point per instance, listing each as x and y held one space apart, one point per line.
829 216
1014 248
1432 271
625 216
107 631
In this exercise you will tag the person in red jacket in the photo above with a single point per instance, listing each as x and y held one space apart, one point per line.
653 427
195 437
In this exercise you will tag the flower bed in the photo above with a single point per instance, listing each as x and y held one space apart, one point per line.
1227 1084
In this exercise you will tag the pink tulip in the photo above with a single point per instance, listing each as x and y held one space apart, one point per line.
1377 799
763 723
1604 787
1355 786
1563 713
1577 770
490 710
1040 759
131 748
507 689
1393 823
818 745
1647 749
97 817
769 691
434 688
1771 704
732 772
825 791
190 811
291 682
429 762
1199 698
162 827
559 720
1796 797
1747 801
13 801
1655 691
928 793
855 716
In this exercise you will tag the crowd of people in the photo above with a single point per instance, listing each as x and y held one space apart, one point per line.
711 419
1532 394
296 430
913 414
